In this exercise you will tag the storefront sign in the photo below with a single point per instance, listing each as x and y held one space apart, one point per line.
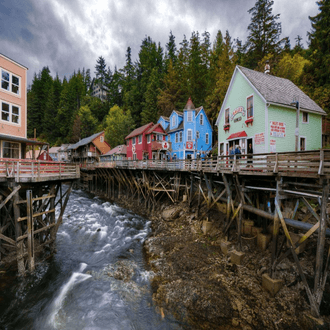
259 139
189 145
236 111
277 129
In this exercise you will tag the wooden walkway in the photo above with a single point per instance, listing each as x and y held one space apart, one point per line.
311 164
25 170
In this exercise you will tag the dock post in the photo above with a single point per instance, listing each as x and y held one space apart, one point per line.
30 229
18 232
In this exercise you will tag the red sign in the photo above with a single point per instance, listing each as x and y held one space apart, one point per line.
165 145
189 145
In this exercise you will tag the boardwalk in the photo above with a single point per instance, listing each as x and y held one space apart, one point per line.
25 170
312 164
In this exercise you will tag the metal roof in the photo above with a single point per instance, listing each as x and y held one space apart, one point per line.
84 141
20 139
139 130
280 91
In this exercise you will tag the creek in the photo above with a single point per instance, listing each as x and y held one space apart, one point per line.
97 280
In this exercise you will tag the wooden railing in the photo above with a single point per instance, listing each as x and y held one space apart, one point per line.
25 170
302 163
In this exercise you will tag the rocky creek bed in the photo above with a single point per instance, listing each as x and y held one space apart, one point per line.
198 284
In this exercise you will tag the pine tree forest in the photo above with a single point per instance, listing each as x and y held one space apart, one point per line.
161 79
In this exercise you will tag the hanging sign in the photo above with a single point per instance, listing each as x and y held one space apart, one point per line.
189 145
236 111
165 145
133 148
277 129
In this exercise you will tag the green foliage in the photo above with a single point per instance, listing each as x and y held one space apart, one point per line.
118 125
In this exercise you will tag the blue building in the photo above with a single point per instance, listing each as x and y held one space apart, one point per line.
189 132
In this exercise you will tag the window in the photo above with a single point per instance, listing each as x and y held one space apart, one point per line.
189 135
189 115
159 137
207 138
134 156
176 137
197 135
249 107
305 117
102 138
302 144
133 140
227 116
10 82
180 136
127 142
10 113
140 138
173 121
201 119
10 150
148 138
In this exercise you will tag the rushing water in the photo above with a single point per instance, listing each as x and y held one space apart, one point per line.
83 286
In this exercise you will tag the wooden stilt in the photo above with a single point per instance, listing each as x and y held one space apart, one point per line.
18 232
30 230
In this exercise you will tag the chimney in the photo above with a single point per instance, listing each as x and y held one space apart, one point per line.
267 67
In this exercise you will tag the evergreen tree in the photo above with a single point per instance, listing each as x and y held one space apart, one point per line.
171 51
317 73
128 81
264 32
150 107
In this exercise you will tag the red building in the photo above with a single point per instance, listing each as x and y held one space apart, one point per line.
147 142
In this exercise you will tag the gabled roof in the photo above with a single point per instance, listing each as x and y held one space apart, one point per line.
84 141
280 91
180 113
154 127
139 130
165 118
119 150
54 149
176 129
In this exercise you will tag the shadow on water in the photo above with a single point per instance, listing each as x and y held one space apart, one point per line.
98 278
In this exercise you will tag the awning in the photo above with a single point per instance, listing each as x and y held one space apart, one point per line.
20 139
237 135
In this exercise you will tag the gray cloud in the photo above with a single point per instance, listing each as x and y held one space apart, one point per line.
68 35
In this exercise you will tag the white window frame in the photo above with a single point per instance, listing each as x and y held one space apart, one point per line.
189 116
247 110
227 110
134 156
10 82
307 114
207 140
189 135
176 137
173 121
302 137
201 119
180 136
140 139
2 147
10 113
102 138
148 138
133 141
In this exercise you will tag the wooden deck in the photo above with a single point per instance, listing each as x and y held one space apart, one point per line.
25 170
294 164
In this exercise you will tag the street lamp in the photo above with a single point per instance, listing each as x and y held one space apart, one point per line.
296 132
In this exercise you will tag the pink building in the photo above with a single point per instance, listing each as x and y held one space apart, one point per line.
147 142
13 109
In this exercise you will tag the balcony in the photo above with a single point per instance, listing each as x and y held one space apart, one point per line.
160 145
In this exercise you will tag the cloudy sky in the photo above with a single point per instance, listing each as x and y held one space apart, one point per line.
66 35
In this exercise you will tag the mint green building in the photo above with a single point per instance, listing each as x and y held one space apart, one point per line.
262 109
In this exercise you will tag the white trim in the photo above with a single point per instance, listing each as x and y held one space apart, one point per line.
140 135
302 137
249 96
133 140
11 74
10 122
230 88
189 130
267 147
